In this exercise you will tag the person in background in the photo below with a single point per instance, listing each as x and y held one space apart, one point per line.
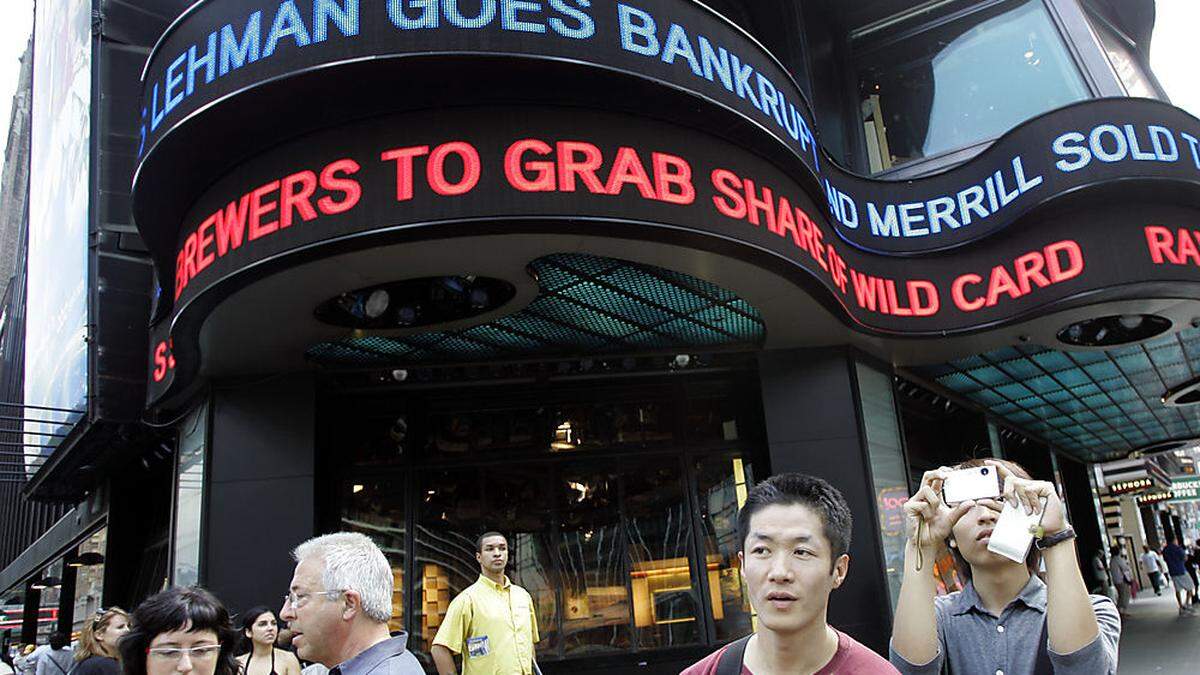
1185 591
1122 578
283 639
1006 619
26 663
259 630
492 623
339 604
1150 562
6 664
1193 568
793 539
58 659
97 652
180 631
1100 574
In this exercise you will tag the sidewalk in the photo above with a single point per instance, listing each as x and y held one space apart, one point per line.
1156 639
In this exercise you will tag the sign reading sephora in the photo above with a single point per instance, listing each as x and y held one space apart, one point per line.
222 47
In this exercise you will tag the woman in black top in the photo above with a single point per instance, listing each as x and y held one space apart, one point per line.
259 629
97 650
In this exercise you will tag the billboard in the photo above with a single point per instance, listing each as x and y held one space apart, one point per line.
56 306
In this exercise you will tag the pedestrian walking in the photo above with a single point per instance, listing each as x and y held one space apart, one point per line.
1006 619
180 631
1185 590
58 659
492 624
1150 561
1122 577
338 606
259 630
97 652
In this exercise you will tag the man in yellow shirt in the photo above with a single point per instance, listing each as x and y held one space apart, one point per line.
492 623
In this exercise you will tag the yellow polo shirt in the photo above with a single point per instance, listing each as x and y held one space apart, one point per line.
493 626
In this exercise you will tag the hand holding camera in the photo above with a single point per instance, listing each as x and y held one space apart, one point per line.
1032 497
932 511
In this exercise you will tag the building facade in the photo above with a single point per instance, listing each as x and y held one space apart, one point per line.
583 272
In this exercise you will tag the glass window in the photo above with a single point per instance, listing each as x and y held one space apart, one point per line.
888 470
378 442
592 563
459 433
450 515
721 484
666 607
89 577
605 425
712 419
51 591
955 82
189 497
376 509
1126 62
519 505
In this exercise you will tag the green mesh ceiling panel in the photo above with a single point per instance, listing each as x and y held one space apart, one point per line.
1094 405
587 305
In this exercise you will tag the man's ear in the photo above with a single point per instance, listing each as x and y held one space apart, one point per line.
353 605
479 557
840 568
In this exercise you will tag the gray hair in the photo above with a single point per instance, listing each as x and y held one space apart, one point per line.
353 563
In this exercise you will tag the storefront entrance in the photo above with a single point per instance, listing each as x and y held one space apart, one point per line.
618 495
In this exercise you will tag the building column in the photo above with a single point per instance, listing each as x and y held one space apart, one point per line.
30 613
260 501
812 415
66 597
1131 526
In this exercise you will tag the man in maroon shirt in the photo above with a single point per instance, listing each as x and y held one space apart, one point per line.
794 531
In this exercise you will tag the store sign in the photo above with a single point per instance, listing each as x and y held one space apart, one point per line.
223 47
1155 498
1185 489
442 173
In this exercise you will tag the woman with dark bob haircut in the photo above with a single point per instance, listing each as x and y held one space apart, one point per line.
181 630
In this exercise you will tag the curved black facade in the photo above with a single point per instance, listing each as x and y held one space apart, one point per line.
274 134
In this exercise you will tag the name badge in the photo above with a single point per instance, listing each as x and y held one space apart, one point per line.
478 646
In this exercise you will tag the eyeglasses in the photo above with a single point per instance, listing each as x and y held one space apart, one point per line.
298 600
175 654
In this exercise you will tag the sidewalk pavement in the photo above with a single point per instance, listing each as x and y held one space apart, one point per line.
1156 639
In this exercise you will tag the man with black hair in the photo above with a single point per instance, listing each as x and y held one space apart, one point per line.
1185 590
492 623
794 534
58 659
1006 620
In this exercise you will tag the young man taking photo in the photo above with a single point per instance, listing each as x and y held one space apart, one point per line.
794 532
492 623
1006 619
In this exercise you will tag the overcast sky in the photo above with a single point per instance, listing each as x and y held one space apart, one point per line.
1174 53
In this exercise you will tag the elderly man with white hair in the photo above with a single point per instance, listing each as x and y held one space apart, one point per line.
338 606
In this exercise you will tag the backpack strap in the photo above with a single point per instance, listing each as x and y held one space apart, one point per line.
730 662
